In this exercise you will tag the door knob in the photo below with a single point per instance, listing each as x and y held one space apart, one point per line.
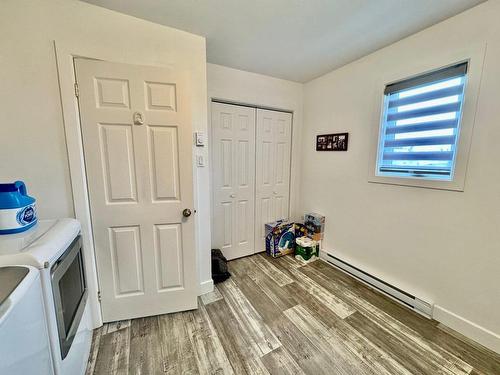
233 195
186 212
275 192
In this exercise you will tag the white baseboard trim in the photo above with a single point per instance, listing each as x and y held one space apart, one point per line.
467 328
206 287
392 291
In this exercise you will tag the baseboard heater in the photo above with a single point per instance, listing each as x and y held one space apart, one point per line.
406 299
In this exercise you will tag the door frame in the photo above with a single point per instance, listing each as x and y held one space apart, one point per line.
64 57
212 100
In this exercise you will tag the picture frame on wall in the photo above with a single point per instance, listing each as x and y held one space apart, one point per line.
332 142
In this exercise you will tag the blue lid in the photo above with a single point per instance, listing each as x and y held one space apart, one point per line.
14 195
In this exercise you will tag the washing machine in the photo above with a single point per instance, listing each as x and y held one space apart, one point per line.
54 248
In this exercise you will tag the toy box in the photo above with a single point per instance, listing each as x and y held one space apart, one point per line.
280 238
315 225
306 249
300 230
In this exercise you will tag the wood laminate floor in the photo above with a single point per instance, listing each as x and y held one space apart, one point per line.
276 316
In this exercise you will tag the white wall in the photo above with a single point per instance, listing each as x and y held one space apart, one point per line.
250 88
440 245
32 139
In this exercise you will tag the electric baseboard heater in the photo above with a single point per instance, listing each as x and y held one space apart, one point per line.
406 299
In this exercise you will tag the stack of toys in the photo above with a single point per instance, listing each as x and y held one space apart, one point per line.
303 240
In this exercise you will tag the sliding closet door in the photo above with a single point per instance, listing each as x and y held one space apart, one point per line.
272 170
233 158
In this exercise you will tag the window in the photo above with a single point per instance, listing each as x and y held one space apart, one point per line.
421 125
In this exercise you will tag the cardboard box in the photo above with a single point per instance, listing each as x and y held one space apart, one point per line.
280 238
315 225
300 230
306 250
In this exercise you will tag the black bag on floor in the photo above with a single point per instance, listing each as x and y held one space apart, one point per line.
219 266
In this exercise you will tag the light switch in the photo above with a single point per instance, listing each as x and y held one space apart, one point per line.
200 160
200 139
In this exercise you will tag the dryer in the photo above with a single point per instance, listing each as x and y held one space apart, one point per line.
54 248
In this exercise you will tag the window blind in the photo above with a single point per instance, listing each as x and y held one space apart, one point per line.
421 123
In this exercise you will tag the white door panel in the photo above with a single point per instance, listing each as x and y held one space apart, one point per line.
233 144
169 256
118 159
164 162
273 149
139 180
126 255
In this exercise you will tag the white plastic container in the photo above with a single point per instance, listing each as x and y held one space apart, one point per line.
17 208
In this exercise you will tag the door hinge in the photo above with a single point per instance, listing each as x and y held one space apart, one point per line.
77 90
99 296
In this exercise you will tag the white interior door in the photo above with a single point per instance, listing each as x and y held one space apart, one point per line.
274 135
233 160
137 143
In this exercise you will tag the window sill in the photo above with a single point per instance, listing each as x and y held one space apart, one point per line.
418 183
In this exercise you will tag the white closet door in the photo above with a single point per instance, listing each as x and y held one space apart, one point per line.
233 144
273 170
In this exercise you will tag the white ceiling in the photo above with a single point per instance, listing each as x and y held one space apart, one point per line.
296 40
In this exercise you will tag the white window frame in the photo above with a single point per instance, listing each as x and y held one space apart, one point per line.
474 55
